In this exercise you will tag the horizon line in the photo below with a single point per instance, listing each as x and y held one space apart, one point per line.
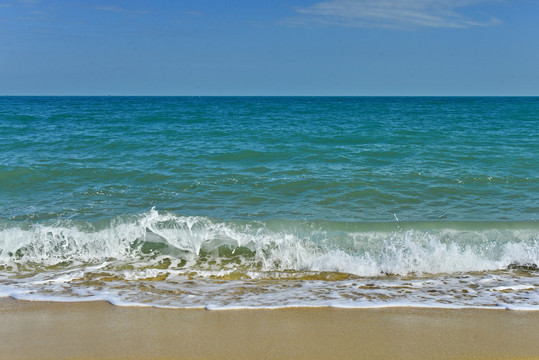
256 95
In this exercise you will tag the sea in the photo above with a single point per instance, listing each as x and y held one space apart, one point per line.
271 202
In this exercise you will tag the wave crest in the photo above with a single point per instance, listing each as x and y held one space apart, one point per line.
202 244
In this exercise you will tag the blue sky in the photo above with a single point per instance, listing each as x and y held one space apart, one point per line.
269 47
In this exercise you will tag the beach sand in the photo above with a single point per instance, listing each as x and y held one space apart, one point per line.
98 330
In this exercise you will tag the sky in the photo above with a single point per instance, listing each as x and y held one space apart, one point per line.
270 47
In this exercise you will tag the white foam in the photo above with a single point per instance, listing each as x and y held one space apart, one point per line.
190 261
299 249
514 287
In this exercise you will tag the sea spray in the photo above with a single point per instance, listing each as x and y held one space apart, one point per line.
296 246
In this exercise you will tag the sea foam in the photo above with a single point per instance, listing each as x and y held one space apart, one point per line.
201 243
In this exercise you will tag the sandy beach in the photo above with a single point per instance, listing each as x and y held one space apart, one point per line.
98 330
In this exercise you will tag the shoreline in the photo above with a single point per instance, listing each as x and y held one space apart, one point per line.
99 330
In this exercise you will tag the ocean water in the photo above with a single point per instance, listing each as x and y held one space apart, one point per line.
262 202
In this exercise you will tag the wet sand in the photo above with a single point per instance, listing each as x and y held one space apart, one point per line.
98 330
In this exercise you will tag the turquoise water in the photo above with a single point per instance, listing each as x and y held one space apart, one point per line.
271 201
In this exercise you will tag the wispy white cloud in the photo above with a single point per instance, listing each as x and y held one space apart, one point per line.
390 14
120 10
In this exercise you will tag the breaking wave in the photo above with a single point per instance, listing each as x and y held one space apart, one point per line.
203 244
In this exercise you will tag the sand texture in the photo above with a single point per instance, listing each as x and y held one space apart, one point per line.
98 330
